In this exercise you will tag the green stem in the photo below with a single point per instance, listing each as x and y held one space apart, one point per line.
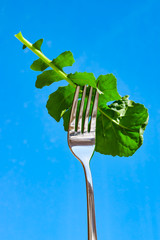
43 57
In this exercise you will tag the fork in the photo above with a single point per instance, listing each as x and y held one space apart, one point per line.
81 141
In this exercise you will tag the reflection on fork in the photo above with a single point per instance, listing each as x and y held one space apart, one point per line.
81 141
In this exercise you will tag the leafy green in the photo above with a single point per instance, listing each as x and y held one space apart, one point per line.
66 117
37 44
108 85
24 46
65 59
39 65
120 128
59 101
47 78
83 78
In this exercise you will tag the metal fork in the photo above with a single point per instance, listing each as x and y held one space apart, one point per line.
82 145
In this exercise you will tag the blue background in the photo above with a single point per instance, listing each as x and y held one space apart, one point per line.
42 186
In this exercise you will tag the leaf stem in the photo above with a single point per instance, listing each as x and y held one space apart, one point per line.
43 57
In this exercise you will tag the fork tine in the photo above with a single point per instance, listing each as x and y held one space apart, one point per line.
72 121
79 126
94 113
87 111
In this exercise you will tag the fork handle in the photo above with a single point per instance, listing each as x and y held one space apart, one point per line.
92 233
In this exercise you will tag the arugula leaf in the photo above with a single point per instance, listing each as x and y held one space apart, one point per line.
37 44
47 78
66 117
108 85
120 128
65 59
24 46
59 101
83 78
39 65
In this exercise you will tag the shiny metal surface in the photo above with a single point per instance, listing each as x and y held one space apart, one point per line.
82 146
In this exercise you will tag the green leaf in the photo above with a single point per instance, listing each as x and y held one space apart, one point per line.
65 59
83 78
59 101
120 128
39 65
47 78
66 117
37 44
108 85
50 76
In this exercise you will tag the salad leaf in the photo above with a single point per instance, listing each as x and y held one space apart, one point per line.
108 85
120 125
65 59
83 78
47 78
37 44
24 46
59 101
39 65
120 128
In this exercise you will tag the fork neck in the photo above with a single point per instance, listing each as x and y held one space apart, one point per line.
87 171
92 233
